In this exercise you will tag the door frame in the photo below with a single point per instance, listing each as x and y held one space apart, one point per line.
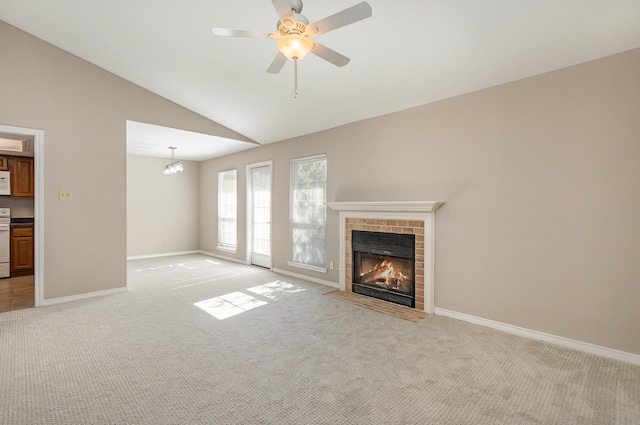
250 168
38 205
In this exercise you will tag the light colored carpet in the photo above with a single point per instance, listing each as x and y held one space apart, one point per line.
281 353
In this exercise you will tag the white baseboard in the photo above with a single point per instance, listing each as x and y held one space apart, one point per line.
541 336
70 298
222 257
166 254
309 278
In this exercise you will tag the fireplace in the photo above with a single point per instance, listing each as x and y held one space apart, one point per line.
384 266
415 218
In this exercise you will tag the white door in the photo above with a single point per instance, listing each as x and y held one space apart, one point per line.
261 216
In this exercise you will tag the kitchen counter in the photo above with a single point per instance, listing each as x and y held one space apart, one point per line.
22 222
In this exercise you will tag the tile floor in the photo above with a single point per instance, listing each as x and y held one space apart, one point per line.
16 293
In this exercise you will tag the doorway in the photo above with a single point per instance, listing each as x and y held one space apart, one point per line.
26 222
259 214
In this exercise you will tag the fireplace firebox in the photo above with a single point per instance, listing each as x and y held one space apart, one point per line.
384 266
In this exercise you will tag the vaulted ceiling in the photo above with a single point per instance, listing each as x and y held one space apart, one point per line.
410 52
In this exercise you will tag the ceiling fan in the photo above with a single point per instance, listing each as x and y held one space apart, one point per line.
294 32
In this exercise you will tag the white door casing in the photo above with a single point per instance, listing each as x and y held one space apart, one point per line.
259 184
38 145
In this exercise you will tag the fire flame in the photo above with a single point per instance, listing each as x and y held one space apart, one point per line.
388 276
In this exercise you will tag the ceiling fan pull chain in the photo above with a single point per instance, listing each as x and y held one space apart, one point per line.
295 78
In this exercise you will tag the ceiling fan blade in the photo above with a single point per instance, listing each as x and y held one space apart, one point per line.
277 64
283 9
226 32
329 55
348 16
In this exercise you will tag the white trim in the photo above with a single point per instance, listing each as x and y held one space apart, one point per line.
78 297
541 336
404 206
38 206
221 176
250 167
222 257
305 277
309 157
427 216
166 254
227 248
307 267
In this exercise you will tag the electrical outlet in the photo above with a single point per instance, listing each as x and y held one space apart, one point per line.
65 195
330 265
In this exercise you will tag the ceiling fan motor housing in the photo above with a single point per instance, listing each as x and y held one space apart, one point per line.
296 6
296 26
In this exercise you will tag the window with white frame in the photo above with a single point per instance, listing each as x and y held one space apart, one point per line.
308 212
227 209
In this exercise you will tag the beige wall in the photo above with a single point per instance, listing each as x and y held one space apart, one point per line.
541 180
162 210
82 110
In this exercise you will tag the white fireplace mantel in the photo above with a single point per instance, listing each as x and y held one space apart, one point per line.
402 210
397 206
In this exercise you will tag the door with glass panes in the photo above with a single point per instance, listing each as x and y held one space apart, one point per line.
260 222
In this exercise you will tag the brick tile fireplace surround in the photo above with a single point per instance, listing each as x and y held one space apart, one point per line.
414 218
405 227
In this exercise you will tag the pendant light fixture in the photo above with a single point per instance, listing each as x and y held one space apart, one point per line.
174 166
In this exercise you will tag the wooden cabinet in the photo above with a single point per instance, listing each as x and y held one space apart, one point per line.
21 251
4 163
21 177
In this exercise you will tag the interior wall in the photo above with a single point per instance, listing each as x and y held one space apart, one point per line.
540 180
82 111
162 210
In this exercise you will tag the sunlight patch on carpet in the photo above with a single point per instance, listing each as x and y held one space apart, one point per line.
273 290
229 305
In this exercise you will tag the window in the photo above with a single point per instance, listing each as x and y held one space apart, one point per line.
308 213
227 209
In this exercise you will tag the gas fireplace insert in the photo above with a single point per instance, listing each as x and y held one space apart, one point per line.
384 266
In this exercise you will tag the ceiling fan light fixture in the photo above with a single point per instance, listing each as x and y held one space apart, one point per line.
295 47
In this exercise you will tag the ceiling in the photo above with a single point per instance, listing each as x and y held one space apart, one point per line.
409 53
154 140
